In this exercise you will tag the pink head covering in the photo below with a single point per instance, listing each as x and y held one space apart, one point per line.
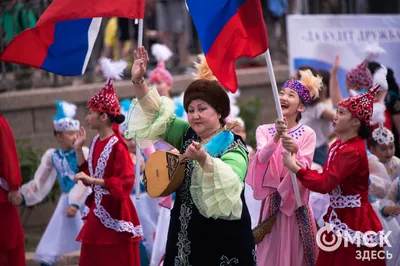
360 77
160 74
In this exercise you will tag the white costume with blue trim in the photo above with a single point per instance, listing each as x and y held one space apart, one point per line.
61 232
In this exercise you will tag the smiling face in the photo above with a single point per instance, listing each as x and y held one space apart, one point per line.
384 152
290 103
203 118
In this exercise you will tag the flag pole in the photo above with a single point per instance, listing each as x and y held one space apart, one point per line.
280 116
138 153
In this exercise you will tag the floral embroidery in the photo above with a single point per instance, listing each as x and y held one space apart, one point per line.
295 133
100 211
338 227
337 200
4 184
185 213
225 261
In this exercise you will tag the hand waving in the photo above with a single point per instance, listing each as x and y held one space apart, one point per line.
140 64
80 140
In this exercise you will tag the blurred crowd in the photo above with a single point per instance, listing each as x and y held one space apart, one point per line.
166 22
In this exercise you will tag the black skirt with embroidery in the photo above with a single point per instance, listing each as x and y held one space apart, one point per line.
199 241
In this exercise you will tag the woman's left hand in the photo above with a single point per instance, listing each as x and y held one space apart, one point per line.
194 154
289 144
84 178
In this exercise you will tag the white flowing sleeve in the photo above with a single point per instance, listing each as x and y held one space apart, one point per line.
380 180
216 189
37 189
79 192
390 199
149 118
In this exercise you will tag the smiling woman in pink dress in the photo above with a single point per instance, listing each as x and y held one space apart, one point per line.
292 239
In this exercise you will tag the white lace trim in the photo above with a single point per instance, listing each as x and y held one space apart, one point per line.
4 184
341 201
62 166
339 228
100 211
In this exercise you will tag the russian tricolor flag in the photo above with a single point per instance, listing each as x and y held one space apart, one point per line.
228 29
64 36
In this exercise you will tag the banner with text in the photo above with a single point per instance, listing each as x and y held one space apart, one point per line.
315 40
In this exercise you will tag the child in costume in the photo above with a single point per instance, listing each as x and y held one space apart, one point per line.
390 211
112 231
294 230
210 223
62 165
12 249
382 146
345 177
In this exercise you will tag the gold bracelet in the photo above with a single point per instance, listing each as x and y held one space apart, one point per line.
141 81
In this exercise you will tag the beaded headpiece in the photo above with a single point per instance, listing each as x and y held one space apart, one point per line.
302 91
360 77
361 106
105 101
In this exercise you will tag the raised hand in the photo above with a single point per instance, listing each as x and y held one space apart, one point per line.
336 65
80 140
141 58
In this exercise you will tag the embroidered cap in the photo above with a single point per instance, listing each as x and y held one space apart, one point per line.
360 77
302 91
105 100
361 106
64 118
383 136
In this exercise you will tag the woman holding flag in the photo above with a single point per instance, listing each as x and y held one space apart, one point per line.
210 223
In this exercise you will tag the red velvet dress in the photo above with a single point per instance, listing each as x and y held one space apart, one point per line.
12 251
345 177
112 230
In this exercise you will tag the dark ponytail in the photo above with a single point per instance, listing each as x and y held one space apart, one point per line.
119 119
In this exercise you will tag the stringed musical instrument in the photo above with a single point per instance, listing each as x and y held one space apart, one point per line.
165 170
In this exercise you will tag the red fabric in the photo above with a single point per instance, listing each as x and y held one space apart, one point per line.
346 168
126 254
42 36
244 34
105 100
348 256
9 165
361 106
119 179
12 250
